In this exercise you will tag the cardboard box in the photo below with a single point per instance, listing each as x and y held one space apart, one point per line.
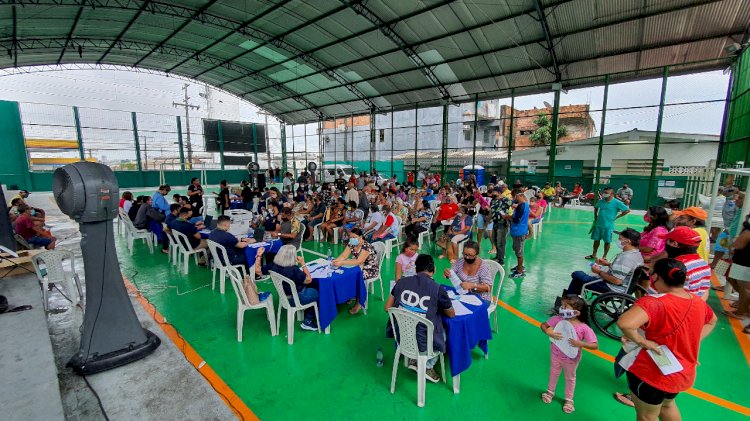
15 266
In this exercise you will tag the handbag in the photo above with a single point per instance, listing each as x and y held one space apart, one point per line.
722 267
442 242
251 290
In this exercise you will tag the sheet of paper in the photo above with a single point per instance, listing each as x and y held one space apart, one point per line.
666 362
471 299
568 332
460 309
256 245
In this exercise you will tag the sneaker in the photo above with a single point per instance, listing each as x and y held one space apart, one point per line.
518 275
432 375
515 269
312 326
412 365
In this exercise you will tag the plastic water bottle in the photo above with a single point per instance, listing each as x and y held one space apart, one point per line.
379 357
330 254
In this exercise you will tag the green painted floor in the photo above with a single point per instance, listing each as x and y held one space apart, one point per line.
335 376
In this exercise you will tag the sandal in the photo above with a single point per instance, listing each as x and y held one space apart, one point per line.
624 398
547 397
568 407
354 310
590 257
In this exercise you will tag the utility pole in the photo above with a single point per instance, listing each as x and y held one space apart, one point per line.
145 151
268 144
187 107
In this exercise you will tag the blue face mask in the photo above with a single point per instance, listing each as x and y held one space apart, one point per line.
353 242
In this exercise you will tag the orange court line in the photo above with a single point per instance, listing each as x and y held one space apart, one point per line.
225 392
742 338
692 391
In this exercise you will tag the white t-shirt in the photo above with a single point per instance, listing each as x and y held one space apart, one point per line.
376 217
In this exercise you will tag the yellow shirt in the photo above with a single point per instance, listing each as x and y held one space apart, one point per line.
703 248
549 191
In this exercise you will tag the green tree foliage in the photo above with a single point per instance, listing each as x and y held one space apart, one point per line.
543 135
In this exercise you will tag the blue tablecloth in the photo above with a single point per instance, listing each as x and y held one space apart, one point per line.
236 204
337 289
464 333
251 252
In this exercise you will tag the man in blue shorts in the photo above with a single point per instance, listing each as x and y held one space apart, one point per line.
606 211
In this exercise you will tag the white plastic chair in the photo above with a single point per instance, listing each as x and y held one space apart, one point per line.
185 250
393 242
57 273
405 323
303 228
536 227
284 303
220 263
370 283
495 268
120 223
243 303
172 257
132 233
423 237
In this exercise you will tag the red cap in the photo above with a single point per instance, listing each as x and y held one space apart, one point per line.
683 235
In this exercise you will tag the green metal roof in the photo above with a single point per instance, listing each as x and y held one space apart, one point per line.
305 60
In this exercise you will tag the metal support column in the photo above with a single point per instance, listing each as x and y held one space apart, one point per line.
474 135
294 158
255 144
553 142
304 133
444 153
137 148
392 136
657 139
335 146
321 148
373 142
79 136
351 132
510 136
416 136
179 144
283 147
221 147
724 122
601 135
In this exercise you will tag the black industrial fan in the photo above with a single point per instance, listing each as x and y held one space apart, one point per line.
112 335
253 168
311 167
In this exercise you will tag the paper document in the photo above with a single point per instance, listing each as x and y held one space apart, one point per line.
666 362
256 245
460 309
321 272
471 299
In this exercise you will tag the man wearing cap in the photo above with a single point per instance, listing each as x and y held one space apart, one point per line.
611 276
695 218
683 244
605 213
22 194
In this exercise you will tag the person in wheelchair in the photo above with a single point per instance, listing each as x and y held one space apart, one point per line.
610 276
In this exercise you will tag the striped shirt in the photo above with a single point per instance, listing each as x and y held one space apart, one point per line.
698 280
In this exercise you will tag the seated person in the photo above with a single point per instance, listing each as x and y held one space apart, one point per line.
389 229
31 232
351 220
611 276
174 211
473 272
13 213
290 229
431 301
146 214
446 212
567 197
373 223
182 225
335 219
360 253
548 192
285 263
133 212
270 222
535 212
316 215
234 247
458 231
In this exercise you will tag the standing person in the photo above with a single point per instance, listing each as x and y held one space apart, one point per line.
682 244
410 179
605 213
625 194
652 238
500 206
247 195
422 295
195 196
675 320
739 273
695 218
519 230
573 310
159 201
493 179
351 193
223 201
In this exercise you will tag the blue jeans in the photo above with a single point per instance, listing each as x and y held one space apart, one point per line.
387 237
306 296
579 278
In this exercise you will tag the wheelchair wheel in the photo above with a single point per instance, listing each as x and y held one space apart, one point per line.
606 309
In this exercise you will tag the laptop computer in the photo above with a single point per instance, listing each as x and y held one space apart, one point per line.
209 221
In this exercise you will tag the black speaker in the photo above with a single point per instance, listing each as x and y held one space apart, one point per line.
6 230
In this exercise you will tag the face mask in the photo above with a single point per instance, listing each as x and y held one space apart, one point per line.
353 242
470 261
647 218
567 313
605 196
620 244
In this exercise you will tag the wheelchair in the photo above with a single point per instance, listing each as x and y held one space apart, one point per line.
605 308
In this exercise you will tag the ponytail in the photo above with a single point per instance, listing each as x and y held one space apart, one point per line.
671 271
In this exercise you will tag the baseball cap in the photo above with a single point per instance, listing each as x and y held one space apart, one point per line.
694 211
683 235
631 234
429 191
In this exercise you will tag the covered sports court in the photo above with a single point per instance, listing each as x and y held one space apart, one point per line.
397 87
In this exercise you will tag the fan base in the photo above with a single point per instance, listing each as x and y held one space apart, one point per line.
99 363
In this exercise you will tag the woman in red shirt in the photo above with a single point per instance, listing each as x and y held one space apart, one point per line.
673 319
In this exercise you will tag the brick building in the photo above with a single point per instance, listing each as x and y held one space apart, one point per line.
576 118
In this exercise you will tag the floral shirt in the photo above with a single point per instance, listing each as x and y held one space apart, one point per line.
427 214
500 207
370 268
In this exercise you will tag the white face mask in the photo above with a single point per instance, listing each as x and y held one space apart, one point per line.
567 313
620 244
